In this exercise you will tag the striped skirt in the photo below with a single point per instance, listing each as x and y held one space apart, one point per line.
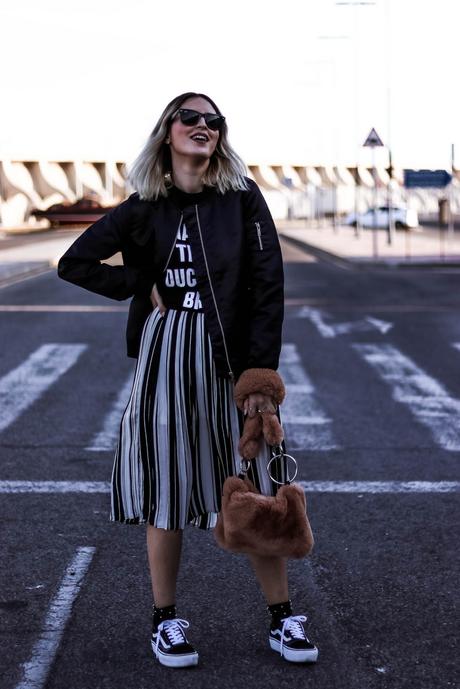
178 436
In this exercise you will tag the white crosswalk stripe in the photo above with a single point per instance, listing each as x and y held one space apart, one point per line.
380 486
106 439
59 487
306 425
426 398
22 386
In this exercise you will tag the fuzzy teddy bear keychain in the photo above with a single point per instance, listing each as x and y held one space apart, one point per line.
265 424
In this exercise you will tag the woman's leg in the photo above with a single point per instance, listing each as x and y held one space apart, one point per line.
271 573
164 550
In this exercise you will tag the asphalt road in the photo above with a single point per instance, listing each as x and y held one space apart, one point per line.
371 359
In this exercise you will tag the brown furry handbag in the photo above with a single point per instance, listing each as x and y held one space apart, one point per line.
262 524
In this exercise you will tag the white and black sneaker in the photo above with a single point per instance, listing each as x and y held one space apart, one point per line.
290 640
170 645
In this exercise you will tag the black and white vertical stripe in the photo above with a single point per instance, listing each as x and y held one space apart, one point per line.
179 433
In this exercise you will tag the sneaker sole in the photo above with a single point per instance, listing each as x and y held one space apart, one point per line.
293 655
184 660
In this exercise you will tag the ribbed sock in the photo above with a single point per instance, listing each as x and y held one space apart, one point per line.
161 614
279 610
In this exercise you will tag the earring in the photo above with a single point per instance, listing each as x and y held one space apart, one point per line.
167 141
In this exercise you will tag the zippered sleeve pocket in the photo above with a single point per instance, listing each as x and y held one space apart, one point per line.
259 235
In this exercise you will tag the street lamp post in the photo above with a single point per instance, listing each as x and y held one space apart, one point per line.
357 145
335 138
451 229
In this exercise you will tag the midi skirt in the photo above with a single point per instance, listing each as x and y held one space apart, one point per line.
178 436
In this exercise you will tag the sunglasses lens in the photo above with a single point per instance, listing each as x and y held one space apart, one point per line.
214 121
189 117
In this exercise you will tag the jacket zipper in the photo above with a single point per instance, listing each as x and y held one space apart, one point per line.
173 244
259 234
232 375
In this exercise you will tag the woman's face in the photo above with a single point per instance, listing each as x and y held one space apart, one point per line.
181 134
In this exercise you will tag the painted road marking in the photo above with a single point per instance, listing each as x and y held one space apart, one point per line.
54 487
107 438
329 330
306 425
36 669
426 398
380 486
337 305
15 487
61 308
22 386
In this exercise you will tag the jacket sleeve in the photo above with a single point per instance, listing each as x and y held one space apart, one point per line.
266 282
81 263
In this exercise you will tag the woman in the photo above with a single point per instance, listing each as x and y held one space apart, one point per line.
203 266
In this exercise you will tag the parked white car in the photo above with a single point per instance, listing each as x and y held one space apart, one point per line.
380 217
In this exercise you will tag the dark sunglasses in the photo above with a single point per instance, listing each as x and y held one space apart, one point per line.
192 117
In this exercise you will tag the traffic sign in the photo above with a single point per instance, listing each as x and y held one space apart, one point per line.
427 179
373 139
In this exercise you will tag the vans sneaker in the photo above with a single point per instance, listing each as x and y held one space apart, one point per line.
290 640
170 645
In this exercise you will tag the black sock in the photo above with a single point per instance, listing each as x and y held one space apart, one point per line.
161 614
279 610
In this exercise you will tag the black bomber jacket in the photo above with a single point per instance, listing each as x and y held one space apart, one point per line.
236 256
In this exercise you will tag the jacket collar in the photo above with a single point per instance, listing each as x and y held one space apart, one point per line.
182 198
142 222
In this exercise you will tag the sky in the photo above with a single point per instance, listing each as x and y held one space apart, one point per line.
299 81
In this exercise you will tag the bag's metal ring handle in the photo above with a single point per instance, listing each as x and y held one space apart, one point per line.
289 479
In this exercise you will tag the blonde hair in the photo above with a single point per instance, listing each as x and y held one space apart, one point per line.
150 173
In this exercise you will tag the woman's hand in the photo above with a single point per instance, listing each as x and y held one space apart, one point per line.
256 403
156 299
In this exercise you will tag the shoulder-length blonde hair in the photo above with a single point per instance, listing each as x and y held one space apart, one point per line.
150 173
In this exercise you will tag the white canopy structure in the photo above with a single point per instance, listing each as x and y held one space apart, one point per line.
273 190
51 182
291 191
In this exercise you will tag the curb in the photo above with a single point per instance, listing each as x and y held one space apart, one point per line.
320 253
21 230
364 263
25 273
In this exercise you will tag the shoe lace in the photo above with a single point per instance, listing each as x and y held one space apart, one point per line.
293 625
174 630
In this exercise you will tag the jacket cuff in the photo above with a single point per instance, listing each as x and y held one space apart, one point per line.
262 380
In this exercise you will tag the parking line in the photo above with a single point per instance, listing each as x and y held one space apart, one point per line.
36 669
54 487
309 486
380 486
62 308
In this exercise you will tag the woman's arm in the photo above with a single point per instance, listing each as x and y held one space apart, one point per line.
260 386
266 282
81 263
